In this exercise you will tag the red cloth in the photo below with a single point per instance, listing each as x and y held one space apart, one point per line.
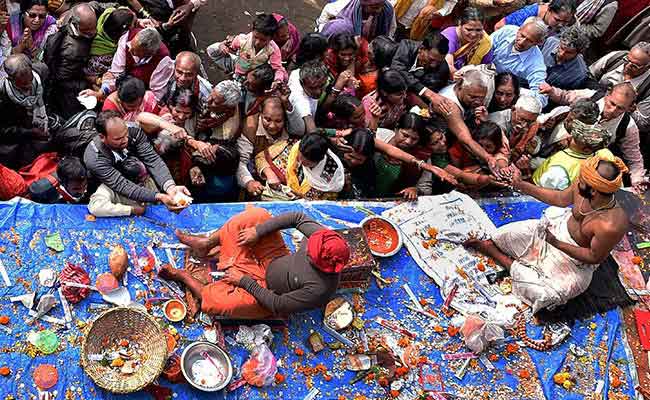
328 251
222 298
41 167
11 184
74 273
143 72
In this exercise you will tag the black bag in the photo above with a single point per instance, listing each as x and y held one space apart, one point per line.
73 137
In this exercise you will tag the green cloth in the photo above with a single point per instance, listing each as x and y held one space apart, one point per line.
54 242
440 160
387 176
102 44
570 161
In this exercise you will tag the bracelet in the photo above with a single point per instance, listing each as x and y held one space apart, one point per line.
144 13
420 163
335 90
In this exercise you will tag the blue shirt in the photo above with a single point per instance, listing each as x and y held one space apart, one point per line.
518 17
569 75
527 65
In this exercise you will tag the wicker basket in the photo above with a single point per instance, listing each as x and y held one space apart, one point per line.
125 323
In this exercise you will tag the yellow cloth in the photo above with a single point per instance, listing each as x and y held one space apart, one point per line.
420 25
302 188
589 175
570 161
475 52
293 166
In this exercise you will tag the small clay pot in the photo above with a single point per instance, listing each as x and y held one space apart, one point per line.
175 310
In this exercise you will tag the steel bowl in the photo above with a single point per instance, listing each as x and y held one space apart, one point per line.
192 354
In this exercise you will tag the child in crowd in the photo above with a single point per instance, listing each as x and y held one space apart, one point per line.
247 51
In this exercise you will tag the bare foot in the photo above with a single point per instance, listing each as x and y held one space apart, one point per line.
200 245
481 245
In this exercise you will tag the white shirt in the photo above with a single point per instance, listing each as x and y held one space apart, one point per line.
302 104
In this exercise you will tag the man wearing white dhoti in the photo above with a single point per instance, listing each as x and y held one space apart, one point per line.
551 260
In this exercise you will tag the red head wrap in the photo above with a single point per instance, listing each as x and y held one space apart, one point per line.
328 251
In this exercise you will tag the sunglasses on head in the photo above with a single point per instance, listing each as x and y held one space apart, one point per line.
34 15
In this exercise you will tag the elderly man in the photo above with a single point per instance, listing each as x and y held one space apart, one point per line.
561 169
422 64
520 127
565 65
141 54
616 109
552 260
66 55
117 141
467 98
186 76
306 85
262 277
211 153
24 132
516 51
614 68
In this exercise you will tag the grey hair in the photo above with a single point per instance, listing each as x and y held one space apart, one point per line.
314 69
16 64
575 37
527 102
473 78
539 25
231 92
643 46
149 39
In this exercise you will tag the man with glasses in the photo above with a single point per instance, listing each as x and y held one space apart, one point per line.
307 85
614 68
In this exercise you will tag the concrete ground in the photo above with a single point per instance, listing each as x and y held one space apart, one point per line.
226 17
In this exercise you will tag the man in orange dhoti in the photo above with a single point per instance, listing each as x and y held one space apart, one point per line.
262 277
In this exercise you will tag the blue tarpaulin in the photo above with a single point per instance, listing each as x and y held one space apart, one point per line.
599 349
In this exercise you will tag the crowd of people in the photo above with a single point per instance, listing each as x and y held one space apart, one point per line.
108 103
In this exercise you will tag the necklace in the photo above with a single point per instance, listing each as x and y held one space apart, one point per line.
608 206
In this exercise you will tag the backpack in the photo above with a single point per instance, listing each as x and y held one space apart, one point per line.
73 137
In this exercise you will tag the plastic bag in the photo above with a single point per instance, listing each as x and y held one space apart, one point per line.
260 369
254 336
478 333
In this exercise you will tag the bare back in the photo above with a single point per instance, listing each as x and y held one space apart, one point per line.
600 230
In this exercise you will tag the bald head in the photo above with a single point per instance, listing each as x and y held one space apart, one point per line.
625 89
608 170
186 68
17 64
84 18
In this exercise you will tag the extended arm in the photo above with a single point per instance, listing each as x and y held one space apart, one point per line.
556 198
294 219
